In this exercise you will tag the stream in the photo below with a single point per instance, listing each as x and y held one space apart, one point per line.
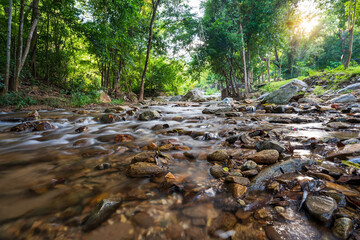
52 178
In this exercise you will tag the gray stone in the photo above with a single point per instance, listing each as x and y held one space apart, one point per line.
218 156
342 228
143 169
228 100
262 96
176 98
248 165
265 157
270 144
321 207
149 115
192 95
282 96
298 83
217 109
350 87
344 99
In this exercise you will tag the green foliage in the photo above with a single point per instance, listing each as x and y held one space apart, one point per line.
319 90
273 86
117 101
211 91
18 99
80 99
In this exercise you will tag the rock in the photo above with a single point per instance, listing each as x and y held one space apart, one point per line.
218 156
144 157
228 101
123 138
143 220
200 211
262 97
31 116
102 212
338 125
344 99
321 207
263 213
176 98
116 231
103 166
238 190
225 221
193 95
279 109
282 96
342 228
83 112
270 144
348 150
350 87
109 118
143 169
247 232
217 109
250 173
32 127
338 197
296 82
149 115
265 157
160 127
217 171
237 179
104 98
249 165
82 129
275 170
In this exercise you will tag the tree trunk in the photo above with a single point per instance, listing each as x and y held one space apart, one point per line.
47 49
351 31
8 49
14 83
268 67
155 6
244 62
281 60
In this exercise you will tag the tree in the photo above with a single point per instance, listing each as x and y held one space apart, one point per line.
8 49
155 5
352 12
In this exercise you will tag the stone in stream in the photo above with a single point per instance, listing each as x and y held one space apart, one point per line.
143 220
238 180
338 125
31 116
109 118
217 109
348 150
270 144
344 99
275 170
237 190
149 115
282 96
265 157
194 94
102 212
143 169
176 98
321 207
342 228
350 87
250 173
32 126
218 156
225 222
217 171
249 165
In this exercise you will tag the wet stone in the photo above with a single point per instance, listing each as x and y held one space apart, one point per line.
143 169
149 115
217 171
82 129
249 165
250 173
218 156
237 190
236 179
109 118
338 125
143 220
265 157
342 228
321 207
225 221
338 197
102 212
263 213
270 144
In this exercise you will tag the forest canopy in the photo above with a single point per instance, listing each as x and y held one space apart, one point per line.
138 48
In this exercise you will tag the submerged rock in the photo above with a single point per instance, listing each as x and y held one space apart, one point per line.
217 171
265 157
102 212
143 169
342 228
282 96
32 127
149 115
109 118
321 207
270 144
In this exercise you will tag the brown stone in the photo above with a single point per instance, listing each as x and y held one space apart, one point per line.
265 157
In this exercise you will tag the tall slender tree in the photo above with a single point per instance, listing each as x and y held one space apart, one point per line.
8 49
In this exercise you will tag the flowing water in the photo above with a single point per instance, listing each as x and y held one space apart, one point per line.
49 182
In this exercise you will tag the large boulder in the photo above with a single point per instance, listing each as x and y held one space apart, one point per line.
149 115
194 94
296 82
175 98
104 98
283 95
350 87
344 99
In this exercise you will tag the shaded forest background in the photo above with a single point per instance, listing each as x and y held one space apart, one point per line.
136 48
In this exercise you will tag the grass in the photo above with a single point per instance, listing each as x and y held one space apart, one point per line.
18 99
273 86
117 101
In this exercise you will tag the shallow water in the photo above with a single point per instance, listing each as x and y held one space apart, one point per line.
49 184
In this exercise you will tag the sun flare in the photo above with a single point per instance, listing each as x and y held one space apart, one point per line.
307 25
